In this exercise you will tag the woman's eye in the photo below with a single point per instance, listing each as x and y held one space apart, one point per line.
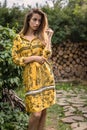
34 19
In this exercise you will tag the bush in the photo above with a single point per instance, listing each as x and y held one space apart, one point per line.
68 22
12 119
10 74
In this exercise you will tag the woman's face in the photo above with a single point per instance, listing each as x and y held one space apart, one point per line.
35 21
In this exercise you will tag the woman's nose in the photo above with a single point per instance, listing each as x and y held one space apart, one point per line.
37 22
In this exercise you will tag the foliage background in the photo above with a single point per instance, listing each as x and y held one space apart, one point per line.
68 22
10 74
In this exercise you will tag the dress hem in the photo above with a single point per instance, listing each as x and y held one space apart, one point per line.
41 109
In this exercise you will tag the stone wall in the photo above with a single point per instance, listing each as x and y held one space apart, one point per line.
69 61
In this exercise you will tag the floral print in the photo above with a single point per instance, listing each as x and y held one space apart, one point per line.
38 79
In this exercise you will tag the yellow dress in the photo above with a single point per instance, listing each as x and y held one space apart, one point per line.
38 79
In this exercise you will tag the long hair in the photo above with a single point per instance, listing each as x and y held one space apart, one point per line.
40 32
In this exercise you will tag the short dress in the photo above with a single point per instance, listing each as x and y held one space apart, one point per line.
38 78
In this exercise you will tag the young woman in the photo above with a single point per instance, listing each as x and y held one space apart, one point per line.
32 49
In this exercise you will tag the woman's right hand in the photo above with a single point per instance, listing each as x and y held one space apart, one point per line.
39 59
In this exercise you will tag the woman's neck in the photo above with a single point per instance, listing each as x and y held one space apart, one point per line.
30 32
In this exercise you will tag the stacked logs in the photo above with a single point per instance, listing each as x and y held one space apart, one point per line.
69 61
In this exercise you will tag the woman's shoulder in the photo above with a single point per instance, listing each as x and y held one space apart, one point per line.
17 37
17 40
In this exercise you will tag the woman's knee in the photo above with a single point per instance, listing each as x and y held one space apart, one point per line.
37 115
44 112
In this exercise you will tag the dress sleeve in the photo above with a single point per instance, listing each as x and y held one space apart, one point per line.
16 56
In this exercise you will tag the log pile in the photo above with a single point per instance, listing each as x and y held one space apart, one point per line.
69 61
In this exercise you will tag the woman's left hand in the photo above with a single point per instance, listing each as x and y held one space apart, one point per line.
49 32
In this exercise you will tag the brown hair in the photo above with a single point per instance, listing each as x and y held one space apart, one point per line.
44 23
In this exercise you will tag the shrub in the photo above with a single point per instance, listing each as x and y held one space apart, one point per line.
12 119
10 74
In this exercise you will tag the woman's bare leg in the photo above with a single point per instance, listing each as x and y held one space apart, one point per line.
42 120
34 120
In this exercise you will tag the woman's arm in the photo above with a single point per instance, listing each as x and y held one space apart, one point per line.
17 58
49 33
38 59
47 51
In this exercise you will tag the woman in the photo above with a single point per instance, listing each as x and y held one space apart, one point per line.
32 49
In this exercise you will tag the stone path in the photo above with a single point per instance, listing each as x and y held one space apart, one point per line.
74 103
49 128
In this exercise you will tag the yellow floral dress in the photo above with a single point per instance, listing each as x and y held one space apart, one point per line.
37 78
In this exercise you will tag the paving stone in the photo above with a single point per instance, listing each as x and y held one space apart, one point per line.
80 108
79 126
83 96
62 100
68 113
71 91
76 101
69 110
50 128
62 103
68 120
85 115
72 95
58 95
72 119
84 110
82 100
82 90
77 105
74 125
72 109
78 118
66 108
60 91
83 124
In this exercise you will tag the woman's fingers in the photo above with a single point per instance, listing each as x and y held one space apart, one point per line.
40 59
43 60
49 32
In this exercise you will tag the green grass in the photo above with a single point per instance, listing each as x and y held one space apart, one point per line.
64 86
55 113
71 86
21 92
